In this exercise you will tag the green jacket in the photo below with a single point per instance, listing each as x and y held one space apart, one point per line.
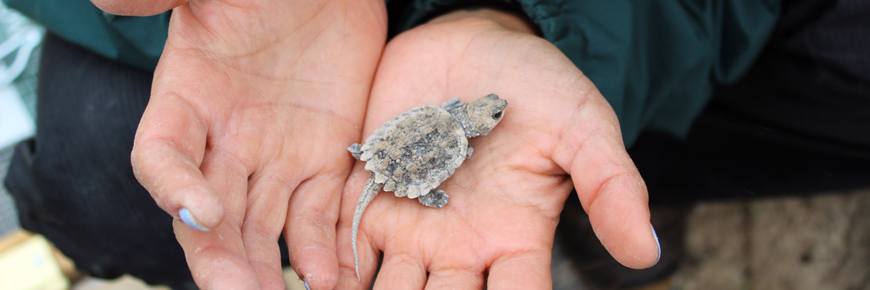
656 62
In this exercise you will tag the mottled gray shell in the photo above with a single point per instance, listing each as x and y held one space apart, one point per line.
416 151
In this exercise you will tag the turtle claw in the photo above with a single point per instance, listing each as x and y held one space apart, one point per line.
355 150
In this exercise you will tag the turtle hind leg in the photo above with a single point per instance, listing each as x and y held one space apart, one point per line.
436 198
355 150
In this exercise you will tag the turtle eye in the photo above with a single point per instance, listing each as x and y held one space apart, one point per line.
496 115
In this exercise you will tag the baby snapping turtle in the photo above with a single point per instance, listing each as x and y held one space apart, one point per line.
413 153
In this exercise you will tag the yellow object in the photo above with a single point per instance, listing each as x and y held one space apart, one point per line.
27 263
291 280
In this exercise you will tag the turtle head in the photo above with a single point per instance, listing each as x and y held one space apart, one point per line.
483 114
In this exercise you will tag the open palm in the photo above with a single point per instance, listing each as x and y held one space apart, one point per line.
558 133
251 105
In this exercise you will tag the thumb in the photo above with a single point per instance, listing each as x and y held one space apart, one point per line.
167 153
137 7
609 186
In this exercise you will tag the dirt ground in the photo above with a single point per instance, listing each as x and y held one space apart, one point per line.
796 243
819 242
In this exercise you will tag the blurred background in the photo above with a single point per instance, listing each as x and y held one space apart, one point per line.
815 242
19 52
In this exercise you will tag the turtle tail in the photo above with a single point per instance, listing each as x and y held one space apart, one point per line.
368 194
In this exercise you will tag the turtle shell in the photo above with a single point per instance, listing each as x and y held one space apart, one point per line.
416 151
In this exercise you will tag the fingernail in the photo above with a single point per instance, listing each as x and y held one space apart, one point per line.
188 219
657 244
306 284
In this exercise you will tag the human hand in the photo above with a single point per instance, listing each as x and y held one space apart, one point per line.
558 132
252 106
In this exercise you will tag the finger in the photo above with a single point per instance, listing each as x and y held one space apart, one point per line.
525 270
167 153
137 7
264 220
401 271
618 208
217 258
311 237
458 278
610 187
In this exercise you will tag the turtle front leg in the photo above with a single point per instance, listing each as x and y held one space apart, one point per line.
355 150
436 198
452 104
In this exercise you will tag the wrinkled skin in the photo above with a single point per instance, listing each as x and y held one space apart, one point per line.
242 82
498 229
252 105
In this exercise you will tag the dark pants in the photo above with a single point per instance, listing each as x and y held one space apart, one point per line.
74 183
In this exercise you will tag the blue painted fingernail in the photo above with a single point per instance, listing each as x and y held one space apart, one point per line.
657 244
188 219
306 285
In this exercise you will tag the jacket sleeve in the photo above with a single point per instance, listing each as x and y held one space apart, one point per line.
134 41
656 62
